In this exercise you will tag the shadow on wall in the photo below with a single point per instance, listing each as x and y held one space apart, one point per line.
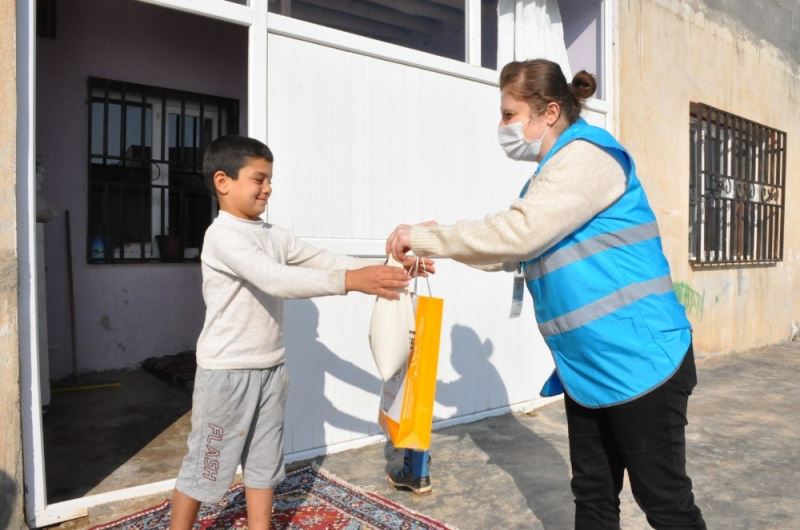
517 450
8 498
309 363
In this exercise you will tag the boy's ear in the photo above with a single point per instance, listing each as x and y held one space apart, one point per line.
221 182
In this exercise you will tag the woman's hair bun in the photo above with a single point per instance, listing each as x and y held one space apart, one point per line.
583 85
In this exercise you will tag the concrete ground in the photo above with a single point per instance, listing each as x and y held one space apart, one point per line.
512 471
103 439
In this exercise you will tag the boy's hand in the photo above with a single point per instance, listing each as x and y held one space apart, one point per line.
426 266
377 279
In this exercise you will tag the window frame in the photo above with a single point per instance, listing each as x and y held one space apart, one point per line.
469 69
737 190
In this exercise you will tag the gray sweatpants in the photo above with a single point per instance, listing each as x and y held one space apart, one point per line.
237 417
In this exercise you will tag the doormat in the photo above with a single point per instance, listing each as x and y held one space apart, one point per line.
309 499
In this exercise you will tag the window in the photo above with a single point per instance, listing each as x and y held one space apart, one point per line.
583 35
147 197
440 27
489 34
736 189
431 26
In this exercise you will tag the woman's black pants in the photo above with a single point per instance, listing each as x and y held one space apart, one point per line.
646 437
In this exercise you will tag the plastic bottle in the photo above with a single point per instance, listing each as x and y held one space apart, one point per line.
98 248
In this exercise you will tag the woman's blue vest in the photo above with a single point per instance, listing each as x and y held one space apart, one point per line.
603 296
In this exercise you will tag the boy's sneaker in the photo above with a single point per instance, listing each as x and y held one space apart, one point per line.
403 478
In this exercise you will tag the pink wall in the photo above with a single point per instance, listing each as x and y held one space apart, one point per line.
124 313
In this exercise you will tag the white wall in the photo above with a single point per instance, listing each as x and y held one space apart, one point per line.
362 144
124 313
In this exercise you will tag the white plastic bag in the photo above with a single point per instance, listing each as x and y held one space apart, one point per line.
391 330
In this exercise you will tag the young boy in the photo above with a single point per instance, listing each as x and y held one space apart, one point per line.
249 268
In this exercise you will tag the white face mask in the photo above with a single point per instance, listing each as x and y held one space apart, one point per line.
517 147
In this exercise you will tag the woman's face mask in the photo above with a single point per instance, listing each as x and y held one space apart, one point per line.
517 147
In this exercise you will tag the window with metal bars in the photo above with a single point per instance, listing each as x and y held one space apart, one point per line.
736 189
148 201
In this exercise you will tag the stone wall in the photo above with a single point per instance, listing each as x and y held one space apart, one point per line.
672 53
11 499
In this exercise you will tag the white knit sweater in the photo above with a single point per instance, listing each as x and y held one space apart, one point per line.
578 182
249 268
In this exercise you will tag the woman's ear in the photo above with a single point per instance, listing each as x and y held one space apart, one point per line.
552 113
221 182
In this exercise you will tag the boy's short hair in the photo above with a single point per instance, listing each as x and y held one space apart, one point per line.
230 154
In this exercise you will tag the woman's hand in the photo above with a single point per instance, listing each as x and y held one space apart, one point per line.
399 241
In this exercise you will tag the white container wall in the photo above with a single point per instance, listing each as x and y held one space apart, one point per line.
362 144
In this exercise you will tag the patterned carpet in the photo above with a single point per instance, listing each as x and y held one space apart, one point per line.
309 499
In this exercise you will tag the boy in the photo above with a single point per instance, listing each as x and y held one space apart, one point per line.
249 267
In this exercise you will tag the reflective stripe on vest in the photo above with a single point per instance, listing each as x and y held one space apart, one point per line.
605 306
562 257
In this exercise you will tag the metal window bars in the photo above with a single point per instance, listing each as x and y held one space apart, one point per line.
147 197
736 189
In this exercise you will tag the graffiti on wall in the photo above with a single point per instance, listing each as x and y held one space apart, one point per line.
693 301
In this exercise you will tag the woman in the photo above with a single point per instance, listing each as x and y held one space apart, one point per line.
586 239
